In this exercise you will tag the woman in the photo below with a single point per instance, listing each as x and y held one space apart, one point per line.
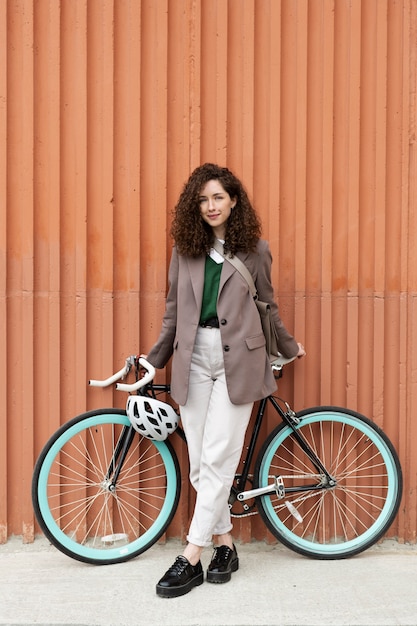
220 367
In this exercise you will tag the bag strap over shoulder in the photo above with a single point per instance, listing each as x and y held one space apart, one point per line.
239 265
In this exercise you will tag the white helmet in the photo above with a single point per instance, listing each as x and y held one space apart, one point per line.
151 418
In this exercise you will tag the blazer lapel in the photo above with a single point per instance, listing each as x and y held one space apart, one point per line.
196 269
229 270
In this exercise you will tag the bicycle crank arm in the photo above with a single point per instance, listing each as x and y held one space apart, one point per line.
277 486
253 493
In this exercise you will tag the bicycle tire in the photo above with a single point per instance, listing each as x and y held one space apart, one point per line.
72 499
340 521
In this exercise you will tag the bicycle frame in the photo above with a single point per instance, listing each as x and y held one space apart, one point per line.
291 419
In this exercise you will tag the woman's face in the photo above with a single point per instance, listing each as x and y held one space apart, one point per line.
216 206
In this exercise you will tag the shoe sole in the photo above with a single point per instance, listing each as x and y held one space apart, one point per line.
223 577
180 590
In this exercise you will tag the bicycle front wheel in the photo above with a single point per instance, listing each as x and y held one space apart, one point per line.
91 508
329 521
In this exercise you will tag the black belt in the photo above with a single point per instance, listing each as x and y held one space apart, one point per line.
212 322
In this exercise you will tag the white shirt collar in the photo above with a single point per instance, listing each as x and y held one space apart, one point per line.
216 256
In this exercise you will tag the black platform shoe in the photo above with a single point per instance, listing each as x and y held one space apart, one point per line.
180 578
223 563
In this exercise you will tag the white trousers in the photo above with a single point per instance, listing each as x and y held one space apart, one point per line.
215 430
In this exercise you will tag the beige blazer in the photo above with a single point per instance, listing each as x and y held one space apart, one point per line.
248 372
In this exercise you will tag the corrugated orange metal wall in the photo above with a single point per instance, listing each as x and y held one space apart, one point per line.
105 108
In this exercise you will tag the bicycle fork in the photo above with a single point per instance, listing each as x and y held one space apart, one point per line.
116 463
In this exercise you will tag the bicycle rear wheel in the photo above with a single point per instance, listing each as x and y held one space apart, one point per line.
77 505
330 522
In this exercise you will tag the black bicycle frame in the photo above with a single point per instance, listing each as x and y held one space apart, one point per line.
289 418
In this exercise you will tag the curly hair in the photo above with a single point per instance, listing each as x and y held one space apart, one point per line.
193 236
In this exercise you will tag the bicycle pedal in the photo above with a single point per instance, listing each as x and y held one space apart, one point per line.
294 512
279 487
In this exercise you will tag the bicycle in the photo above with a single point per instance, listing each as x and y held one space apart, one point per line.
327 481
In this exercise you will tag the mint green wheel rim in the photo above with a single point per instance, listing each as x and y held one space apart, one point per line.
379 526
110 554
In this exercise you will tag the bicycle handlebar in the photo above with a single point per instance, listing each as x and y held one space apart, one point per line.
277 365
150 373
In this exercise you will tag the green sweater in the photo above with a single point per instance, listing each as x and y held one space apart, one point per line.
212 274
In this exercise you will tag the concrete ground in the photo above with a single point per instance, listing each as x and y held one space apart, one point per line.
273 587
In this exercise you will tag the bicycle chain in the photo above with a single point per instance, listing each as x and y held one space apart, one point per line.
235 516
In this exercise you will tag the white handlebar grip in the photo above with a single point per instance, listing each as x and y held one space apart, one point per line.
150 374
111 379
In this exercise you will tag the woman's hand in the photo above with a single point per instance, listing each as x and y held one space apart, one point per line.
301 351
